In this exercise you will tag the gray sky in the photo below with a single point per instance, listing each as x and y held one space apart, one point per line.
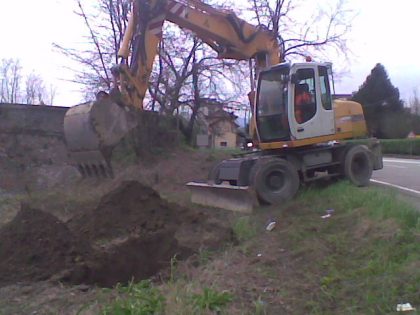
383 31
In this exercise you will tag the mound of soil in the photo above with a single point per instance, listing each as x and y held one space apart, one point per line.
35 245
130 209
131 234
134 209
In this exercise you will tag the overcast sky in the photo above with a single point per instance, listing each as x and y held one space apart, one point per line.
384 31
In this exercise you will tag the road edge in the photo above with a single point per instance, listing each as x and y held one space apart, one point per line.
404 190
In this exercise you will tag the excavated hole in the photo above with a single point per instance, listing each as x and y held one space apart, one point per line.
131 235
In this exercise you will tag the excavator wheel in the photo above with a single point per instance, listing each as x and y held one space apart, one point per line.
358 165
275 180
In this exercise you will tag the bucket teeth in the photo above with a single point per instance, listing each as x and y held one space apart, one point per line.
91 131
92 164
95 170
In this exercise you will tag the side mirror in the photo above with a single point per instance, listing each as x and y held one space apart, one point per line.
295 78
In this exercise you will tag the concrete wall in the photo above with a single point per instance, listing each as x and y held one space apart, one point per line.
32 119
33 155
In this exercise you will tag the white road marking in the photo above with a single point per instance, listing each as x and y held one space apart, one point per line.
396 186
402 161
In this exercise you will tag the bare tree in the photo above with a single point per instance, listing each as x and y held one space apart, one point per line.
52 91
10 76
415 103
105 23
303 28
188 75
35 89
36 92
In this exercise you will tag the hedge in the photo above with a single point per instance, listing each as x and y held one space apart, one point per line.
395 146
401 146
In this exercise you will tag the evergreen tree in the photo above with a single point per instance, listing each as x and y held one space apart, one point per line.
382 105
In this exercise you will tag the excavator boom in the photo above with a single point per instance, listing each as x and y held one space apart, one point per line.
94 128
230 36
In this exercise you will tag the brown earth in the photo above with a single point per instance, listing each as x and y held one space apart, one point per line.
131 234
96 231
35 245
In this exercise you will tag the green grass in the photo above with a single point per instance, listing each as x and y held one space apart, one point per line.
144 298
211 300
136 299
364 259
372 250
244 229
379 204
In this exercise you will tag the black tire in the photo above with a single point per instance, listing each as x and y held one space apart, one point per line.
358 165
275 180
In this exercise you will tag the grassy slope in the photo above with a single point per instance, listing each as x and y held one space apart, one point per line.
365 259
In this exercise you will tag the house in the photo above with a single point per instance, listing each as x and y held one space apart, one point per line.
412 135
222 129
218 128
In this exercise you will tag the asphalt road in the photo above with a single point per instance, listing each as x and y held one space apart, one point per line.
402 174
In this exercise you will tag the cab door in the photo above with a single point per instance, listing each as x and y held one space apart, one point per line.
312 115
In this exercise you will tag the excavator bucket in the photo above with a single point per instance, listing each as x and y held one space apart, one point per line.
91 131
224 196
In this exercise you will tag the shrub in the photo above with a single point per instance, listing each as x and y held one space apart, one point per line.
401 146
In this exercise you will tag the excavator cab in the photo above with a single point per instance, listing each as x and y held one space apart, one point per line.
294 102
272 104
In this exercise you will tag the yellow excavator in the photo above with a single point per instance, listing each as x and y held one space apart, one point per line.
300 139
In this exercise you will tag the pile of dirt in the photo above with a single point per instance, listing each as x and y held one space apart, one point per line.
134 209
131 234
131 209
35 245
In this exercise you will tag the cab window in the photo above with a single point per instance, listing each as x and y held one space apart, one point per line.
325 88
272 105
305 96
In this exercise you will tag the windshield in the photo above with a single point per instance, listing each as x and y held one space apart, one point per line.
272 105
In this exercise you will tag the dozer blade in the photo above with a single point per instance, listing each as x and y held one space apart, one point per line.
91 131
229 197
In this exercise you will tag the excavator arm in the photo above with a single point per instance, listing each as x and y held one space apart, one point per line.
93 129
230 36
